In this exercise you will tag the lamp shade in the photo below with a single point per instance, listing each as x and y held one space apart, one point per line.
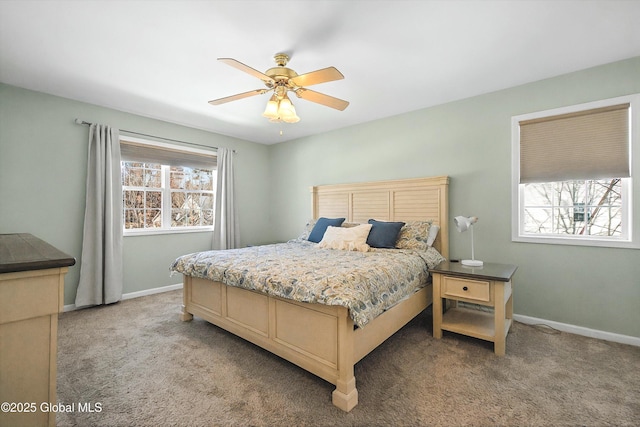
287 111
464 223
271 111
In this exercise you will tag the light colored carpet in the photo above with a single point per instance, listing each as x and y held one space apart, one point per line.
144 367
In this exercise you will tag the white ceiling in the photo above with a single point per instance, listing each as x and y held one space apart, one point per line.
158 58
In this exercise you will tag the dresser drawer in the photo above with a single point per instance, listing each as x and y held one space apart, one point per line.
455 287
30 294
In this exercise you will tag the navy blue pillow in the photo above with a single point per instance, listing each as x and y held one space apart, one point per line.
384 234
321 226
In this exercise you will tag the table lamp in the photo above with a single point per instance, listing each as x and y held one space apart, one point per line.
464 223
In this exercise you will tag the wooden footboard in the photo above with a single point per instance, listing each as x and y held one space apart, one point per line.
320 339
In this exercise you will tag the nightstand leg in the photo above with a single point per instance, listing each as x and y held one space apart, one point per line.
509 309
437 307
499 320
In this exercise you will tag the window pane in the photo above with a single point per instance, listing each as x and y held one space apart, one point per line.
133 218
538 220
207 182
177 199
207 217
153 176
563 222
206 201
178 218
154 200
132 176
177 178
570 192
133 199
153 218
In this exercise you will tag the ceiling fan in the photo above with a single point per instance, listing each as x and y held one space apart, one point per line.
282 80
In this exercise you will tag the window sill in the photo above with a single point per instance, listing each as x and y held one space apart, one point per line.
593 242
153 232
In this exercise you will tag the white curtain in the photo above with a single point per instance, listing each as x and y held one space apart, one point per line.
101 265
226 234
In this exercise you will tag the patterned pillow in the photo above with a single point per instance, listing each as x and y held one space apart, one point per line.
432 257
307 229
350 224
414 235
433 234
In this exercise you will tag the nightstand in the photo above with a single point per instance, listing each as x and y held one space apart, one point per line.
489 285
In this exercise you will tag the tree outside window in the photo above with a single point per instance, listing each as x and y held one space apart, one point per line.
587 208
163 197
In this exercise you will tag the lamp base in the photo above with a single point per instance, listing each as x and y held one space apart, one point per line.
472 262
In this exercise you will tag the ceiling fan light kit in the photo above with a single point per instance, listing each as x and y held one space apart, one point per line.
280 109
282 80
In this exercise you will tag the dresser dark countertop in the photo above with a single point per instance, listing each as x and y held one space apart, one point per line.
24 252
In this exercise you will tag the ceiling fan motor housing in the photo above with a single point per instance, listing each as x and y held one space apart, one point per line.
281 73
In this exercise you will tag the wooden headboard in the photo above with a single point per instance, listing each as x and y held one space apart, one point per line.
416 199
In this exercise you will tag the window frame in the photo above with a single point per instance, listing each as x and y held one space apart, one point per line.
166 194
630 237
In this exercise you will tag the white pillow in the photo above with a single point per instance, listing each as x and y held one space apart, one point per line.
433 233
349 239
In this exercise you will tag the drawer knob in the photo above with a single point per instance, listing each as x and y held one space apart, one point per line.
465 288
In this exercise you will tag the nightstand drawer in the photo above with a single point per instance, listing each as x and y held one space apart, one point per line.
454 287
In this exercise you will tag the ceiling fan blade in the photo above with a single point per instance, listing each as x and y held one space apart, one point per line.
321 98
238 96
242 67
328 74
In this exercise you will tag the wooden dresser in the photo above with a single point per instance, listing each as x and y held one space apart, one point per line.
31 296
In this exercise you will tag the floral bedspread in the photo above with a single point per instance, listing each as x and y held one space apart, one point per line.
367 283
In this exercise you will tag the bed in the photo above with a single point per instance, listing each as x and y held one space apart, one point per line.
319 331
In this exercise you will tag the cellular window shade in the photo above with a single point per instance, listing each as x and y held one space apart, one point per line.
147 153
590 144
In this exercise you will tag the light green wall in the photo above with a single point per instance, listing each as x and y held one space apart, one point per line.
43 160
43 169
470 140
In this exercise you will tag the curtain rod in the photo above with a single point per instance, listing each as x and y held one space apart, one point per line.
82 122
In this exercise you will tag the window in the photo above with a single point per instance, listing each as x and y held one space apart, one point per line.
572 174
166 188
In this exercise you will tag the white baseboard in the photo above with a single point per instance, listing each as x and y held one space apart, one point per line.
146 292
579 330
137 294
564 327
